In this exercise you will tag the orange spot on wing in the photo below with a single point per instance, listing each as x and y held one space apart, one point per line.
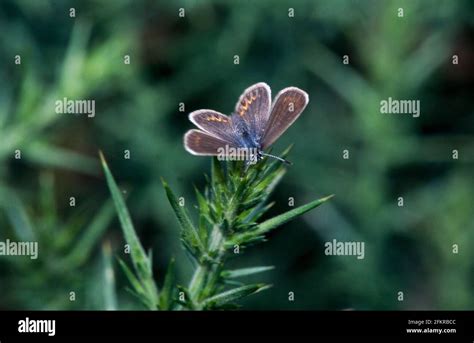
245 104
218 119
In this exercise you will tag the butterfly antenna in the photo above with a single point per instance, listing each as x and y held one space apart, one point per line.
277 157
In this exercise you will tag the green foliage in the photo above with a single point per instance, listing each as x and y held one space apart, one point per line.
227 298
228 209
233 199
191 239
190 61
143 282
66 248
108 277
230 274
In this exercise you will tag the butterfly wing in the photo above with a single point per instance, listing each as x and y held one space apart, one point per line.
215 124
253 108
287 107
201 143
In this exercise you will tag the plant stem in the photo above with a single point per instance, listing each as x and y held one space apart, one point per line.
197 281
207 273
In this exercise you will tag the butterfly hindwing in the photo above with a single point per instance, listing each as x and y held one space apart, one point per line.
198 142
287 106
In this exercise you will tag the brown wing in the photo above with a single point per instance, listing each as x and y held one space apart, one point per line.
287 107
254 108
201 143
214 123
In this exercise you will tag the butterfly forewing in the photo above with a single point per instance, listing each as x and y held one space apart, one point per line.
288 105
254 108
214 123
198 142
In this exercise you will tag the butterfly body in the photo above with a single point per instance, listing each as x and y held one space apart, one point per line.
254 125
245 136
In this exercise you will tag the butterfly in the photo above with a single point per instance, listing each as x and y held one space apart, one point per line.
254 126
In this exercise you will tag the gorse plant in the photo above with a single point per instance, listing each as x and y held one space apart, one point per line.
233 201
61 255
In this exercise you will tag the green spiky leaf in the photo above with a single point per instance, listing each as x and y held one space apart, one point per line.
189 232
140 260
232 295
166 293
245 271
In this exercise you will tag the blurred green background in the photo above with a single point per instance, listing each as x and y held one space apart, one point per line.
190 60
